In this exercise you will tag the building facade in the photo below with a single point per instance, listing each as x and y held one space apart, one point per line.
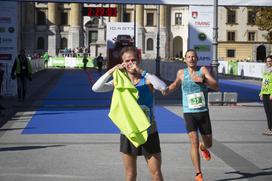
238 36
54 27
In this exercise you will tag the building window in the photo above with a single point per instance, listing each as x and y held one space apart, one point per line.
178 18
231 36
41 18
230 53
150 44
63 43
64 18
40 43
251 36
92 36
149 19
127 17
251 17
231 16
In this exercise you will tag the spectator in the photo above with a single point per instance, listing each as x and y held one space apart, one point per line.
99 61
266 94
21 70
85 61
45 58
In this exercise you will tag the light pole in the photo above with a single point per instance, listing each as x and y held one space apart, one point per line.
215 40
158 43
134 33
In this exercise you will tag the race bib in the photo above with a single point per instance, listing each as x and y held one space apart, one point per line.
196 100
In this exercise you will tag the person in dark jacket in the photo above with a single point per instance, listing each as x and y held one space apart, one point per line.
100 61
21 70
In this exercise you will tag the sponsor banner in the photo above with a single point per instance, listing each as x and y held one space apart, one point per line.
8 43
233 67
69 62
200 32
244 69
247 69
8 30
223 67
173 2
119 34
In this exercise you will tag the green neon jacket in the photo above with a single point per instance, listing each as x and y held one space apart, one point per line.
17 67
46 56
267 83
125 112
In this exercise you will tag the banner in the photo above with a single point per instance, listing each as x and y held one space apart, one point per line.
171 2
119 34
201 32
8 43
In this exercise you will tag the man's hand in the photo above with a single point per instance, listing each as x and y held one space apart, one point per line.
165 92
197 79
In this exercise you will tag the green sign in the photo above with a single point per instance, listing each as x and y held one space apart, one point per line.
202 48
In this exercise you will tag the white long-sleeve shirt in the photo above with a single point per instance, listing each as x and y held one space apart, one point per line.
103 85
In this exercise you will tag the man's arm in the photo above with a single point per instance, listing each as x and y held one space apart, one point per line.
173 86
209 80
157 83
102 84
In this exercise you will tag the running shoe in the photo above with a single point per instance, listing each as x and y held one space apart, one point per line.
267 132
199 177
205 153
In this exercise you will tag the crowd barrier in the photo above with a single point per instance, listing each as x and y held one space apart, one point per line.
8 87
70 62
242 69
168 69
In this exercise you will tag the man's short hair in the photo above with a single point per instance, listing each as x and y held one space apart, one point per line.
129 49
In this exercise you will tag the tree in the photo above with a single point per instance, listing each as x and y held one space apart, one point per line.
263 21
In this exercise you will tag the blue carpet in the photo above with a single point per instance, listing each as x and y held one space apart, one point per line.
91 121
73 90
246 92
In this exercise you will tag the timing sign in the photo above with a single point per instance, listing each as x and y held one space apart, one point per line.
99 11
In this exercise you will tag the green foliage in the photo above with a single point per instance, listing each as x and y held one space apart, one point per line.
263 21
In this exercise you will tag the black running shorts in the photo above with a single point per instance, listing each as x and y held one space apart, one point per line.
151 146
198 122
